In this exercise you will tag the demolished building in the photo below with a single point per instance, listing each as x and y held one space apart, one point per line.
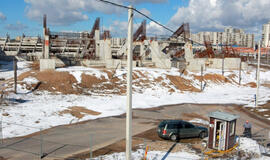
99 49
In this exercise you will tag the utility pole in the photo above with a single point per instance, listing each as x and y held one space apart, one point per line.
129 85
258 73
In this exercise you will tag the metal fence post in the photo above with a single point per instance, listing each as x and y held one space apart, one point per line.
41 144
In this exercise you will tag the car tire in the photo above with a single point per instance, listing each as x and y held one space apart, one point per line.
174 138
202 135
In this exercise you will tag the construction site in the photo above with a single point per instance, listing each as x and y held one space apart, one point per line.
63 95
99 49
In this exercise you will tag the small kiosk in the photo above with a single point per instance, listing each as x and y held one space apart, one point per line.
222 130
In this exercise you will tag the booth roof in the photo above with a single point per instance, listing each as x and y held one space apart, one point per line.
223 115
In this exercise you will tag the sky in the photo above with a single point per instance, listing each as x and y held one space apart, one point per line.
25 16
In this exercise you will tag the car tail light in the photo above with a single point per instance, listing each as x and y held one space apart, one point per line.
164 132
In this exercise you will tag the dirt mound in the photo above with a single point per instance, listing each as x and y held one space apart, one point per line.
251 84
182 84
79 112
35 65
57 82
216 78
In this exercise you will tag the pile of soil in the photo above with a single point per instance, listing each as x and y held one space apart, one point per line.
251 84
78 112
57 82
35 65
217 78
182 84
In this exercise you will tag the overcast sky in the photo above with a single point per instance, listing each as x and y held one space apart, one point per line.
25 16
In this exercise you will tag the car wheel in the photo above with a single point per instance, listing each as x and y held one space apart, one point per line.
202 135
173 137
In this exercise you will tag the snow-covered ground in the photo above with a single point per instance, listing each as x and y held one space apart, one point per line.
31 112
250 147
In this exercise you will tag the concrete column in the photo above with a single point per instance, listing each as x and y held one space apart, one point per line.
97 35
46 47
188 51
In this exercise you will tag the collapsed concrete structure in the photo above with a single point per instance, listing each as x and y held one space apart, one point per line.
101 50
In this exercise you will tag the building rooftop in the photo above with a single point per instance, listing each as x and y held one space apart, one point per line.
223 115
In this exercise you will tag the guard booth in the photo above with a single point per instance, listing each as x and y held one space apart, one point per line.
222 130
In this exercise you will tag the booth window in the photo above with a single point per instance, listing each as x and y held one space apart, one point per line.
232 128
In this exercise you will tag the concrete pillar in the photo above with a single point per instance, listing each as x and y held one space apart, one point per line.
97 35
188 51
46 47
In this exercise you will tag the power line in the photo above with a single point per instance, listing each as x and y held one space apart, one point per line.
151 19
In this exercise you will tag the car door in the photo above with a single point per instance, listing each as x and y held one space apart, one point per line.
180 130
189 130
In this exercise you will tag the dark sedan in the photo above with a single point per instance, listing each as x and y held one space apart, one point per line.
177 129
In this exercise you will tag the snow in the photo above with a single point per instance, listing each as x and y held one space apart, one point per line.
77 71
262 110
249 146
200 121
44 107
153 155
30 80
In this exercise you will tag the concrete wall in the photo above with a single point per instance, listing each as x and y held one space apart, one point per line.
47 64
104 50
117 63
95 63
215 63
160 59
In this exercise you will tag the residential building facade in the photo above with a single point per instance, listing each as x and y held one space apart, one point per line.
230 36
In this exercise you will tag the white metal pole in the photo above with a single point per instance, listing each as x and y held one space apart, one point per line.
258 73
129 85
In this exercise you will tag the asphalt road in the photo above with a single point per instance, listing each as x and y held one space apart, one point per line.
64 141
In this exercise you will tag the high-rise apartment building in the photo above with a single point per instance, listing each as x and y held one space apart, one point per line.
230 36
266 35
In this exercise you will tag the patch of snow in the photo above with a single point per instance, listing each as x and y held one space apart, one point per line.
262 110
249 145
30 80
153 155
200 121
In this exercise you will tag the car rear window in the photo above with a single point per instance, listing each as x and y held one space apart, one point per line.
162 125
173 126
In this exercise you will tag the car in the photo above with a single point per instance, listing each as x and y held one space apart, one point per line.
177 129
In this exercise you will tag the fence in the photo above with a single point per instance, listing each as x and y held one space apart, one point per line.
41 144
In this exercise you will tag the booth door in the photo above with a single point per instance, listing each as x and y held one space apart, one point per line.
222 138
219 137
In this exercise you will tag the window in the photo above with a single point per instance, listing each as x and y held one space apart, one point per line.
161 125
232 128
172 126
180 125
189 125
